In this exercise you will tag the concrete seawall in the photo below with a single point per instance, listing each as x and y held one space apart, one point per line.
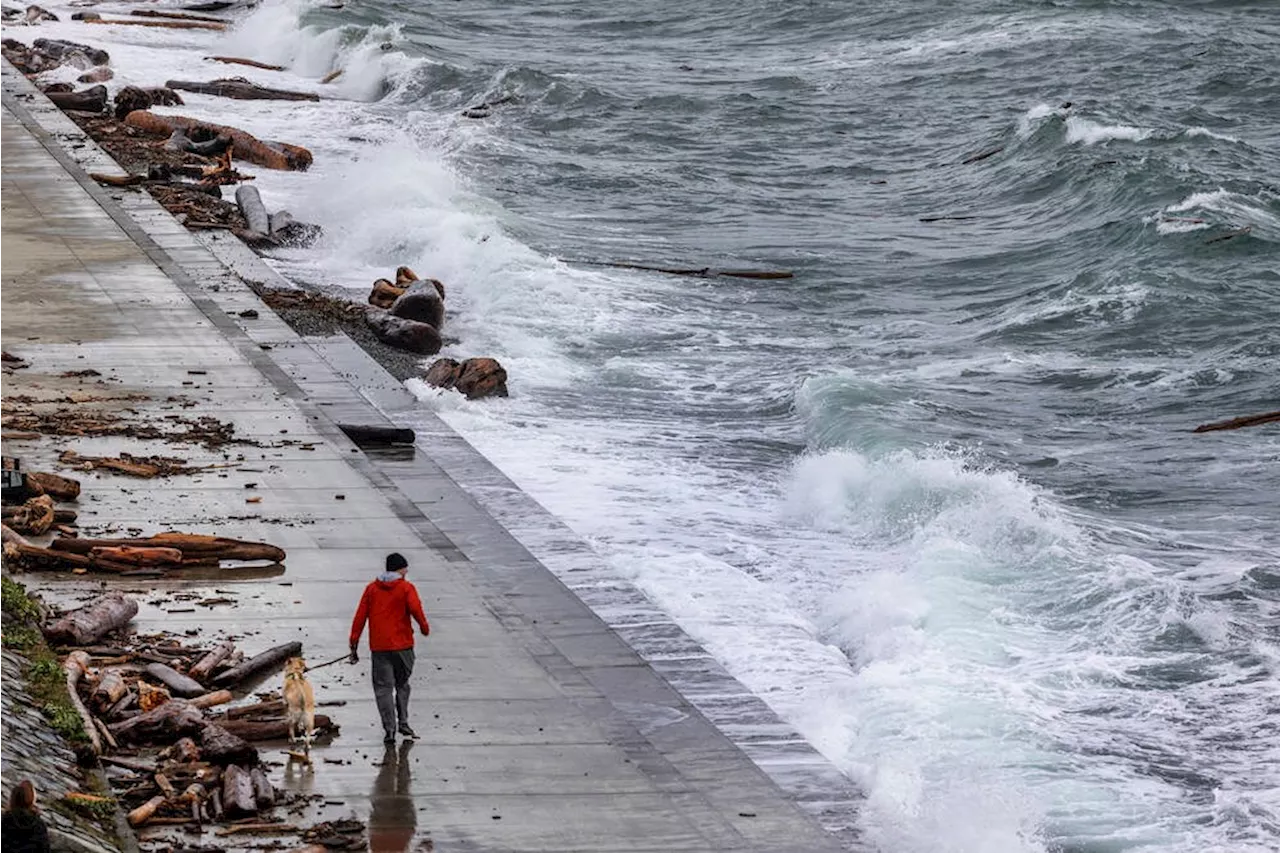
542 727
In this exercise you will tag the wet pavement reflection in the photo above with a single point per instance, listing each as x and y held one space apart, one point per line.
393 818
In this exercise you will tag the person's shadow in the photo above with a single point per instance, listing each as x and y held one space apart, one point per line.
392 816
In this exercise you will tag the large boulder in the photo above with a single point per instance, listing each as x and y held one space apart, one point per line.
403 333
474 377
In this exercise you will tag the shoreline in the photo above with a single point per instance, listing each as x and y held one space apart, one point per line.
792 762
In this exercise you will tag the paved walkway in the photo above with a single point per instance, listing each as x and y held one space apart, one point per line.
540 729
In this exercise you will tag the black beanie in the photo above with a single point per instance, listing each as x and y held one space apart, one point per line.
396 562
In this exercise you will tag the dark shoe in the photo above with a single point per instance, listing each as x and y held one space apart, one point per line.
406 731
389 737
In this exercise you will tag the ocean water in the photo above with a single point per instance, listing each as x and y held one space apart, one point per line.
935 498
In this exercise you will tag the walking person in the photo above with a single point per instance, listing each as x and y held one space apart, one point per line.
24 831
390 605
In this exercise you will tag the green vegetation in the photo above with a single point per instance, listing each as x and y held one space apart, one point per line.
46 681
17 603
101 810
21 639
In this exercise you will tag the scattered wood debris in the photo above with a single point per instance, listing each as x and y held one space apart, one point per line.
146 467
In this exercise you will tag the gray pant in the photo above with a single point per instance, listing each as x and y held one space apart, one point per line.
391 671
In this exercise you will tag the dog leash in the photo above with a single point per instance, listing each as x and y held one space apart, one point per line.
328 663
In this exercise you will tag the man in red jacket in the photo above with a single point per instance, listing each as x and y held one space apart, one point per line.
388 604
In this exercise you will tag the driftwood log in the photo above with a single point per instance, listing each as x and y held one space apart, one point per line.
384 294
140 557
94 621
403 334
1240 423
75 666
272 155
263 794
698 272
179 16
474 377
143 813
182 751
203 668
240 89
213 699
92 100
190 544
72 52
237 792
111 688
368 435
178 684
55 486
34 517
236 60
421 302
271 708
219 746
252 209
169 25
268 660
259 730
170 721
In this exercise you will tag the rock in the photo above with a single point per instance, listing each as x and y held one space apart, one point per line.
405 276
475 377
403 333
101 74
422 302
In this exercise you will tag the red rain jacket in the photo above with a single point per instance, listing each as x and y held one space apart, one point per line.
387 606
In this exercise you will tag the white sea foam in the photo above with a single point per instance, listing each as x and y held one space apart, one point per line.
1088 132
1194 132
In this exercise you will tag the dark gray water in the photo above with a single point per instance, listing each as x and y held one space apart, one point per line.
935 498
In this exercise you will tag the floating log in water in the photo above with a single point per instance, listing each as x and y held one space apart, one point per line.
700 272
270 659
253 63
331 76
1239 423
240 89
94 621
982 155
272 155
1230 235
947 218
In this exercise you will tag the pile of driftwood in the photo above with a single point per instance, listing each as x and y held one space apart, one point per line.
152 556
408 313
150 706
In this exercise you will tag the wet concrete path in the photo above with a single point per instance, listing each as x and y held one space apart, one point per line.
539 728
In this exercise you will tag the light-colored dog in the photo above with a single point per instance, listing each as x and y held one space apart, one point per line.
299 703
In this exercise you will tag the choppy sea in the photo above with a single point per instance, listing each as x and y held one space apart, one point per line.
935 498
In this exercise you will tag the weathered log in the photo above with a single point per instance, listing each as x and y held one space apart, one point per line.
263 794
101 74
138 556
180 16
268 660
75 666
111 688
202 668
182 751
213 699
700 272
178 684
179 141
420 302
211 6
982 155
34 517
219 746
165 786
331 76
67 51
237 792
259 730
190 544
172 720
129 699
105 732
245 146
252 209
150 698
94 621
55 486
240 89
368 435
474 377
143 813
272 707
92 100
129 764
235 60
118 180
384 294
259 828
1239 423
169 25
403 334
